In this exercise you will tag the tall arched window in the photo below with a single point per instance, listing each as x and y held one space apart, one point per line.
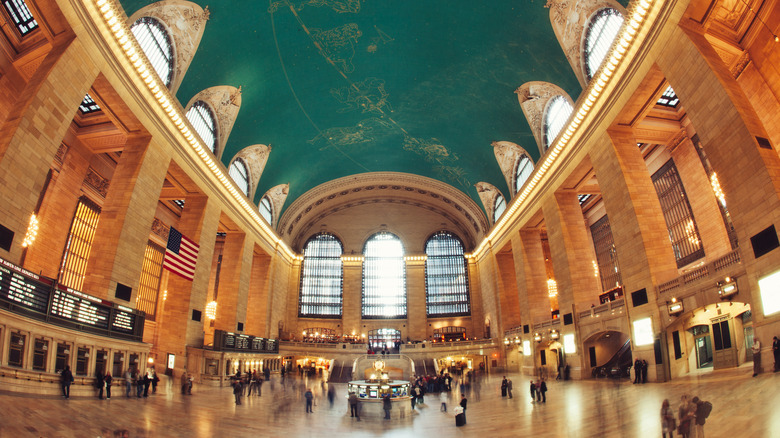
266 210
558 111
599 36
524 170
384 277
202 119
156 44
240 175
321 277
446 278
499 205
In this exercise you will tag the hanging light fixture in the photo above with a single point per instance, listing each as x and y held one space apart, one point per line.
211 310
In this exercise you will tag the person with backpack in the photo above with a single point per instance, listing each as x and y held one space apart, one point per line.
703 410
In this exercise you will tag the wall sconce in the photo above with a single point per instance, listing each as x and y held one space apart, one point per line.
537 337
506 341
517 340
675 307
727 288
554 334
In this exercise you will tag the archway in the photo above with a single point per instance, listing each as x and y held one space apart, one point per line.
608 354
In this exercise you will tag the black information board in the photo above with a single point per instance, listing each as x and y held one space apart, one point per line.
81 308
235 342
23 288
37 296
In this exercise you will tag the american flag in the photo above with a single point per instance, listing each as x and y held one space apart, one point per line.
181 254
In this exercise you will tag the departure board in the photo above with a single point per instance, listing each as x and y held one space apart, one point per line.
23 288
123 320
237 342
79 308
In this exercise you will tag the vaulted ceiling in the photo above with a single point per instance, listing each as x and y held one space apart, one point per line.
341 87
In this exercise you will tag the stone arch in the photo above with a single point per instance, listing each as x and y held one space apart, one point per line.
277 195
569 20
534 98
185 22
224 102
487 194
507 155
255 158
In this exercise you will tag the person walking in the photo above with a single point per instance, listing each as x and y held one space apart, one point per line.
139 383
756 348
443 399
667 420
638 370
509 387
66 379
108 379
503 387
309 396
533 391
543 391
387 405
353 405
644 371
539 390
776 353
185 382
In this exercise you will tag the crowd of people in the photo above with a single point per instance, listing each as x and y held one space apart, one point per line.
692 414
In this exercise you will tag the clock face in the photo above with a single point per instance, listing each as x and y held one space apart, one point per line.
379 365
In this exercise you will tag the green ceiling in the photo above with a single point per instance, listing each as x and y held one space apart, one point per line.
339 87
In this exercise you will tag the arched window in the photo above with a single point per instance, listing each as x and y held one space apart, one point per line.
203 121
524 170
156 44
599 36
384 277
266 210
499 205
321 277
446 278
240 175
558 111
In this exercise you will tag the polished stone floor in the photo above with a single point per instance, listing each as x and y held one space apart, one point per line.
742 406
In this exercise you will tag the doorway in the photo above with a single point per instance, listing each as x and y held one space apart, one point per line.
703 345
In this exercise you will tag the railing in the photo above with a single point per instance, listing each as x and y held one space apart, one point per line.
601 310
547 324
440 345
701 273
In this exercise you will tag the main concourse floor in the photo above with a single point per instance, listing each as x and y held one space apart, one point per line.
742 406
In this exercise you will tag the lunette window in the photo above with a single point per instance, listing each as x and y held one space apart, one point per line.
558 111
266 210
499 205
322 277
602 31
446 277
203 122
524 170
384 277
240 175
156 45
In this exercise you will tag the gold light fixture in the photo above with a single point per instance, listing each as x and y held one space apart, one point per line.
211 310
32 232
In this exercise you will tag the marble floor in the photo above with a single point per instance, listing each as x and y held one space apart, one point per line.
742 406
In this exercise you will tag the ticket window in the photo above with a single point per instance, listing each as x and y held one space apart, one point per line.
63 357
133 362
82 359
16 350
100 361
118 365
40 353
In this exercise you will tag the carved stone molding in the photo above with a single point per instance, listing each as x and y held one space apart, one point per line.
277 195
740 65
487 194
59 157
185 22
254 157
160 229
225 102
533 97
97 182
507 155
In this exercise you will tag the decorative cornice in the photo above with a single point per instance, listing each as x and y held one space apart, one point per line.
97 182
